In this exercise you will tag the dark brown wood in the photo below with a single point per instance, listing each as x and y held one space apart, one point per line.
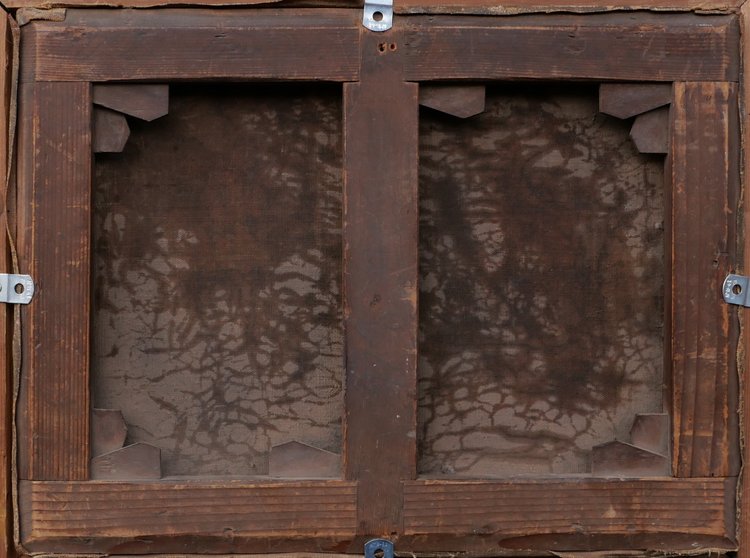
650 131
648 47
618 459
134 462
111 131
131 3
174 516
294 459
625 100
743 245
651 432
147 102
6 315
423 6
54 188
108 431
462 101
380 277
293 44
515 7
705 179
515 513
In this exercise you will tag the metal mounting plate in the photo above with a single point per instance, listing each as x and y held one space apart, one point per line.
16 289
378 15
379 548
736 291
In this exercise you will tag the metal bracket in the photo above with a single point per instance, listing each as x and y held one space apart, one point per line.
378 15
379 548
736 290
16 289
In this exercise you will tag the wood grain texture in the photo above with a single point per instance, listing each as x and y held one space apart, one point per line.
705 179
162 516
479 7
380 275
6 325
483 7
54 219
294 44
643 47
743 244
514 513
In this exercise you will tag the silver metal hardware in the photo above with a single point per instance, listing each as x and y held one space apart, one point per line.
736 290
378 15
379 548
16 289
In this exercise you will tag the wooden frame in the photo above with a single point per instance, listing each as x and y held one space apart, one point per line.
62 511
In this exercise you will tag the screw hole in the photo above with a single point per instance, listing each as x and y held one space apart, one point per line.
377 16
737 289
382 47
379 553
19 288
392 46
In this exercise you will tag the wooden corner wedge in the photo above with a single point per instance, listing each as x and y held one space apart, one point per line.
297 460
651 432
135 462
111 131
625 100
147 102
650 131
618 459
461 101
108 431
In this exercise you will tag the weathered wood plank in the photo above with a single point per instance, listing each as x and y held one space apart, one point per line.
162 516
380 275
643 47
514 7
743 528
704 199
147 102
517 514
479 7
293 44
53 222
6 323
